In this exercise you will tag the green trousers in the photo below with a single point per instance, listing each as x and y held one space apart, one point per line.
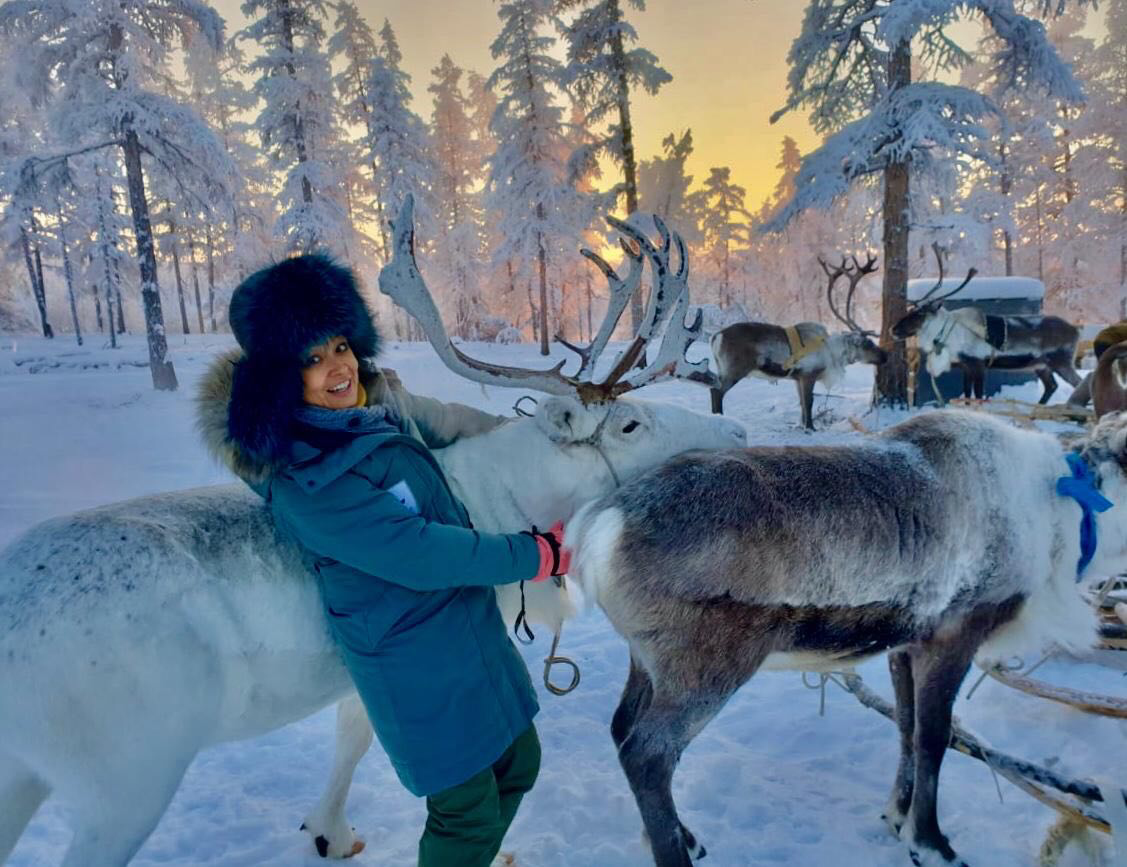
466 823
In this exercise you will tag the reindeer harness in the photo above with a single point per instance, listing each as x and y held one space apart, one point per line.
799 349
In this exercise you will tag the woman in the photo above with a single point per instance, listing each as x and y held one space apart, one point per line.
340 452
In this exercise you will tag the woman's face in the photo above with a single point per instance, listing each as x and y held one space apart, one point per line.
329 375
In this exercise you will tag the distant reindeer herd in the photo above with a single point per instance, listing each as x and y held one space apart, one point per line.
967 338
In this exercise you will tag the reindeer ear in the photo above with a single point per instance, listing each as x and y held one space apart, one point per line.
565 419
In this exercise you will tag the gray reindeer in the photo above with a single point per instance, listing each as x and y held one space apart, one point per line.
942 538
806 352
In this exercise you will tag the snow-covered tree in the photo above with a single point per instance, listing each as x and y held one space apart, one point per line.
397 137
852 67
725 224
94 64
241 240
603 70
457 180
531 185
353 45
664 188
296 123
20 133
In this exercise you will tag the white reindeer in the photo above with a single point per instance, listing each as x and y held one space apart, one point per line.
134 635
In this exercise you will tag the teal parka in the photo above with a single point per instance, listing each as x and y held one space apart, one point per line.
407 587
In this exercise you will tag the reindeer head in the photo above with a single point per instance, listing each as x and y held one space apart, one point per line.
929 306
858 344
581 412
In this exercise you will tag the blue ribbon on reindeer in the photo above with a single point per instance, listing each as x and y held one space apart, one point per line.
1081 486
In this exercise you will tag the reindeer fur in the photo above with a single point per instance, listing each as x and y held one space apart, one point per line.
939 539
762 349
1109 381
969 337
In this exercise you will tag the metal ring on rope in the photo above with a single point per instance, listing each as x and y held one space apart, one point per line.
520 411
552 659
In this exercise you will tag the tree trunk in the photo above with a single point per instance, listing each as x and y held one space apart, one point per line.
184 329
164 376
542 258
67 273
626 130
211 278
109 316
892 376
287 13
36 286
1006 183
98 308
195 279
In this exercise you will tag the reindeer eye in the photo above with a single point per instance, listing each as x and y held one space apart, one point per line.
630 426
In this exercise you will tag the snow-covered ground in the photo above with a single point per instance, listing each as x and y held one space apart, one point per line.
768 782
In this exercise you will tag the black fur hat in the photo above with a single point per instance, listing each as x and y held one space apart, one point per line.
277 314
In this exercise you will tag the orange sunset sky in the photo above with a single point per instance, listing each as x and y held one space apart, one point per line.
727 59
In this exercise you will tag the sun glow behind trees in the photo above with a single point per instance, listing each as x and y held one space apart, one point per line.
399 117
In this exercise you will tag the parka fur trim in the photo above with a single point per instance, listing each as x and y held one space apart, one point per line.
262 403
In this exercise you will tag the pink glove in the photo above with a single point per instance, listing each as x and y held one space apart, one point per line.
555 559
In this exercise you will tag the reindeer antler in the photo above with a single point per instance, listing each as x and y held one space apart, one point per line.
621 290
401 280
854 274
938 250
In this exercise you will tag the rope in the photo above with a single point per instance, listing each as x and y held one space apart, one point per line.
552 659
824 677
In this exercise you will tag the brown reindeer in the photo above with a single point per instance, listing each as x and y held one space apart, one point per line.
942 538
1109 380
806 352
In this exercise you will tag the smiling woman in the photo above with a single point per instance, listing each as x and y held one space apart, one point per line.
406 583
329 376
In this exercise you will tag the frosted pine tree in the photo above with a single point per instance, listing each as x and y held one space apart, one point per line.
353 46
851 66
296 123
239 240
20 134
397 137
457 179
663 187
725 225
94 63
1110 103
603 69
531 186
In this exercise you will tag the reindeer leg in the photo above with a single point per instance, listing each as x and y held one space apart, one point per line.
664 727
1068 374
21 793
636 697
938 668
1082 395
805 385
900 800
717 400
648 756
1047 380
332 835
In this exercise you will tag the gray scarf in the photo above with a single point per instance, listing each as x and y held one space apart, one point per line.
360 420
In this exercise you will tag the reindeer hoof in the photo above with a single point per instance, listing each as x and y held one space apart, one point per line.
322 844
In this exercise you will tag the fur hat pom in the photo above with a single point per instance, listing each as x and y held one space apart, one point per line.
280 311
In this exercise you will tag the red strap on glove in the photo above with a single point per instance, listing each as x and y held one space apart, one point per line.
555 559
